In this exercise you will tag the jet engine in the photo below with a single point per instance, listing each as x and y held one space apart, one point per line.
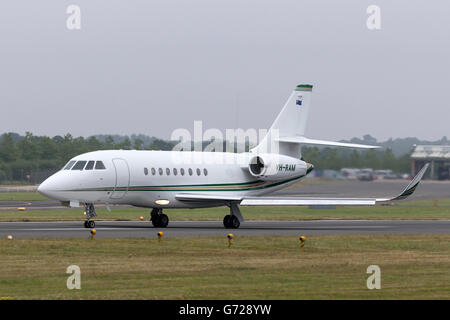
272 167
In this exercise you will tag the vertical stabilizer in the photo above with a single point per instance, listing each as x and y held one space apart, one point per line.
289 123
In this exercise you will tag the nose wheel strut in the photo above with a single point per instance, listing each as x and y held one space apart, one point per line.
90 213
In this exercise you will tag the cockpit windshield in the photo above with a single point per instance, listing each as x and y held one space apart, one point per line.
90 165
79 165
99 165
69 165
84 164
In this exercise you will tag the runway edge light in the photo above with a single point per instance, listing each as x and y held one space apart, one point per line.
93 232
302 241
230 237
160 235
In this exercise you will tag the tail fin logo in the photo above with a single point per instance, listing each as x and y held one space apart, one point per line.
299 101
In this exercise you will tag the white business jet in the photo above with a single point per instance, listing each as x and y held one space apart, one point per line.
189 179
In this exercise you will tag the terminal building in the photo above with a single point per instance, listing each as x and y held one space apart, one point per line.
439 158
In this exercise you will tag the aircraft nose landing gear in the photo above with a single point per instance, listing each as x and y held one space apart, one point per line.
90 213
89 224
159 219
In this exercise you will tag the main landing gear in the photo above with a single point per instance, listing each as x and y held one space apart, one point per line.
231 222
159 219
90 213
234 219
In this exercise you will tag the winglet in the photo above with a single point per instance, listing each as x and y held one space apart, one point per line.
411 187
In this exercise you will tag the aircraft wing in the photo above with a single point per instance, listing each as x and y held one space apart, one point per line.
302 201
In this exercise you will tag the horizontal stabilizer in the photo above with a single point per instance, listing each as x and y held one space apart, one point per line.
304 140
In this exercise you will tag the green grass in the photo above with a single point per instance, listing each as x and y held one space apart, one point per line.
329 267
22 196
400 210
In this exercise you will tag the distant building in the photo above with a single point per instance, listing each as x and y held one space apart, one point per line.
439 156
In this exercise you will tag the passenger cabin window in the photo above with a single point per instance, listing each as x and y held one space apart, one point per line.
153 171
182 171
168 171
90 165
198 171
99 165
175 171
79 165
145 171
190 171
205 172
160 171
69 165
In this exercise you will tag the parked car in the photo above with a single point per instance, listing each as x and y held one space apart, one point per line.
366 175
350 173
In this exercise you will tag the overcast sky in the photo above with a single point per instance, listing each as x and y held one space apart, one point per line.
153 66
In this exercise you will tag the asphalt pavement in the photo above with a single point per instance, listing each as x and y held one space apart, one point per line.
144 229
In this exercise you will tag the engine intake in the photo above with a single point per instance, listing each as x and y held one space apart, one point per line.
256 166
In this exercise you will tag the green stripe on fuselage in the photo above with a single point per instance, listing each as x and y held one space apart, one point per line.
259 184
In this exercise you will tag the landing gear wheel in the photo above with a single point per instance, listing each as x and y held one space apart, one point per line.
226 221
163 220
86 224
231 222
160 221
90 224
234 222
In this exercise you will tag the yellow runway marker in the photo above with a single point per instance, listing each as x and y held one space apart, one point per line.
230 237
302 241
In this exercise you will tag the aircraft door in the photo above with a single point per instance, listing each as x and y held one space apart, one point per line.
122 178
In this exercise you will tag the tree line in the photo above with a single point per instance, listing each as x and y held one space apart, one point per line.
31 158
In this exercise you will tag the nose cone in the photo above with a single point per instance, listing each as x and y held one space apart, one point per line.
44 188
52 186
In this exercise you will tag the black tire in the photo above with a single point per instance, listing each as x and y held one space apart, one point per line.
91 224
226 221
163 221
86 224
155 221
234 222
160 221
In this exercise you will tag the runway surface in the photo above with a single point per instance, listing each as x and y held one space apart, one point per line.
144 229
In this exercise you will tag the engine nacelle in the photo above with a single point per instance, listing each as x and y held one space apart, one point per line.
272 167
